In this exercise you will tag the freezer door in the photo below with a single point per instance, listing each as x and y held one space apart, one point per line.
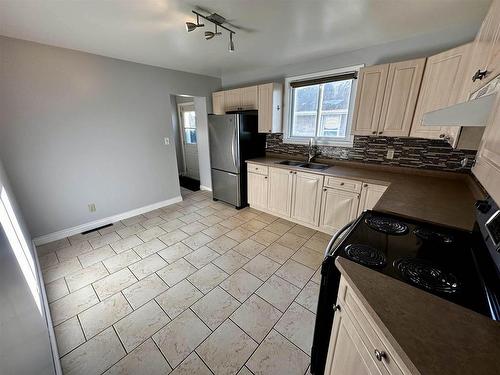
224 142
226 187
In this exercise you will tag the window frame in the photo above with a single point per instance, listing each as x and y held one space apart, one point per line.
346 141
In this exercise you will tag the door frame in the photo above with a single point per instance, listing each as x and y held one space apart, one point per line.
181 131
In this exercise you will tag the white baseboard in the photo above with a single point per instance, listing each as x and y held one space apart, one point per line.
202 187
99 223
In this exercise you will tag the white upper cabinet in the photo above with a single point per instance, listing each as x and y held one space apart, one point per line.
307 197
218 103
249 98
270 108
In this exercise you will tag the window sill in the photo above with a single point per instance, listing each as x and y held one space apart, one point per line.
320 142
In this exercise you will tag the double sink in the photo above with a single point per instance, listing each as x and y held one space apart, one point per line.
293 163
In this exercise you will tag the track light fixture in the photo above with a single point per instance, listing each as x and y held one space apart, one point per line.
217 20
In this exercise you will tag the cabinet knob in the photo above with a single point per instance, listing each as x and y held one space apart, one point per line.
374 132
342 184
278 107
291 171
365 185
265 178
324 189
380 355
269 130
336 308
479 75
380 132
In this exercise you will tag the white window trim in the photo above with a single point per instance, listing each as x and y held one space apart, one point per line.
287 113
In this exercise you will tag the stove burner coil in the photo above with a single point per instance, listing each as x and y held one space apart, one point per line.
365 255
386 225
428 234
427 275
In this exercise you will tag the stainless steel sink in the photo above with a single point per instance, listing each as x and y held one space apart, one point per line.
291 162
317 166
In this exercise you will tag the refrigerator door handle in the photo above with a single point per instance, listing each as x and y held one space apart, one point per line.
231 174
233 146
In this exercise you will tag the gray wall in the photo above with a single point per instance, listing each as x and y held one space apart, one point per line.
177 141
24 340
422 45
78 128
200 106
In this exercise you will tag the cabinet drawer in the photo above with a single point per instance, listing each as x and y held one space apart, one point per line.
257 168
343 184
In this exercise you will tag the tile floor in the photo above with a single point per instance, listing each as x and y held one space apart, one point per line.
193 288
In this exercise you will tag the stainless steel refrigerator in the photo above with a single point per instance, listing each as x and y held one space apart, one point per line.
233 138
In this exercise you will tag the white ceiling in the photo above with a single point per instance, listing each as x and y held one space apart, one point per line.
286 31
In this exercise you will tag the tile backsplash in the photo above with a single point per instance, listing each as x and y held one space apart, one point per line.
408 152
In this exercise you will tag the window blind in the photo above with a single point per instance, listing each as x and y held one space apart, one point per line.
327 79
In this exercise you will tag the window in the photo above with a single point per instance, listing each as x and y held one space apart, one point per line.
189 122
319 106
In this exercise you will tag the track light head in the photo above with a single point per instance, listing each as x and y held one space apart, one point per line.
231 43
209 35
190 26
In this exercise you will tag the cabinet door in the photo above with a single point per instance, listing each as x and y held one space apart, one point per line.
249 97
270 103
257 190
218 103
280 191
307 197
338 207
444 76
400 98
369 98
232 100
370 195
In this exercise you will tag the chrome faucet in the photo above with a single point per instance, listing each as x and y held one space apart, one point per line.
311 151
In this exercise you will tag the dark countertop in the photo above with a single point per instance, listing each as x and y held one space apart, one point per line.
444 198
428 333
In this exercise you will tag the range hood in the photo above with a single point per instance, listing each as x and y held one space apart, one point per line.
473 113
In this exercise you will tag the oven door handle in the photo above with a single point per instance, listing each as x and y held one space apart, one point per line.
337 236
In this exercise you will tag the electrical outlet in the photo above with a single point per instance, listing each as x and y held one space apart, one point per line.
390 153
92 207
166 140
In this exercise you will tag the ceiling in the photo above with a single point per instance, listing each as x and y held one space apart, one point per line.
286 31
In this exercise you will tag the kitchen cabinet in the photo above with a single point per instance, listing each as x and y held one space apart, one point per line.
442 86
386 98
257 190
338 208
486 50
306 199
370 195
218 103
249 98
280 191
270 104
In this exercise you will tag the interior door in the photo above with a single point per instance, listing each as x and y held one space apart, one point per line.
224 145
187 118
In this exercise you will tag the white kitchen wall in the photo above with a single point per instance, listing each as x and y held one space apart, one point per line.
78 128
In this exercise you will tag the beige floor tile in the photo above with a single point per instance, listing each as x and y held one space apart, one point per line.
244 371
170 216
126 244
173 237
201 257
265 237
95 356
175 252
77 238
144 290
190 218
141 324
256 317
101 316
146 359
216 230
302 231
249 248
277 355
68 336
60 270
192 365
48 260
114 283
148 248
86 276
211 219
297 325
52 246
154 213
261 267
230 261
153 222
56 289
113 228
308 297
254 225
134 220
193 228
133 229
308 257
73 251
197 240
295 273
172 224
147 266
317 243
151 233
121 260
231 222
178 298
278 253
180 337
240 234
175 272
278 292
207 278
72 304
278 227
104 240
226 213
227 349
241 284
95 256
291 241
215 307
222 244
266 218
317 276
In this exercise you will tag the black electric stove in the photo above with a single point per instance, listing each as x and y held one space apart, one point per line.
459 266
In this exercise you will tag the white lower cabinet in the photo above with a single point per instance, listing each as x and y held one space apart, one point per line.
338 208
280 191
257 190
370 195
306 198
